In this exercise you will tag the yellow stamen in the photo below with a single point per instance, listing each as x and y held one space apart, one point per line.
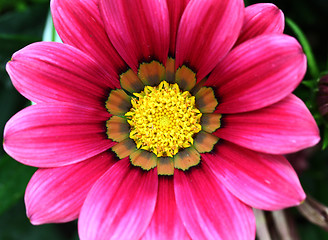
163 119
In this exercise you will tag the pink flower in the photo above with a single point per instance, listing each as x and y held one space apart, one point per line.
322 96
192 143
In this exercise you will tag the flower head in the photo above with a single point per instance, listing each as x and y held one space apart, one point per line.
322 98
160 119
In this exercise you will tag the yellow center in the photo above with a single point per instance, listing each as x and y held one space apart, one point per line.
163 119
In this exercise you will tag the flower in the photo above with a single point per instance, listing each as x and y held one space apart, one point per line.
160 119
322 96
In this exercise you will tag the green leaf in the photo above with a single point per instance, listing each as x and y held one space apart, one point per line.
325 138
14 177
312 84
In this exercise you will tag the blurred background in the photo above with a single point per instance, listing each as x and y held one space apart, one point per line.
23 22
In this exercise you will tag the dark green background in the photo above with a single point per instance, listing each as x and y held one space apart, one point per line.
22 22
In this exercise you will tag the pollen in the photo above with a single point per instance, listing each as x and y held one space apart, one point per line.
163 119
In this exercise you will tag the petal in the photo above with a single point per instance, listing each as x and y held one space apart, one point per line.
258 73
152 73
53 135
207 32
210 122
57 194
165 166
79 24
118 128
139 29
186 158
282 128
260 180
208 210
205 142
131 82
55 72
118 102
170 70
261 18
166 222
120 205
185 78
176 9
125 148
205 100
144 159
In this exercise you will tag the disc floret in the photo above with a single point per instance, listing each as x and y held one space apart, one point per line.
163 119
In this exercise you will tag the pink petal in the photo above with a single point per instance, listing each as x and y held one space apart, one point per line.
208 209
120 205
207 32
53 135
57 194
166 222
55 72
176 9
79 24
258 73
261 18
282 128
260 180
139 29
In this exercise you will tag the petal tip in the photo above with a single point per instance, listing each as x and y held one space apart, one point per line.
32 217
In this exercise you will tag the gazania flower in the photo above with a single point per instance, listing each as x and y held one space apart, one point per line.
160 119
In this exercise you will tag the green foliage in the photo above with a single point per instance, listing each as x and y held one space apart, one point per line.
14 225
18 5
325 138
17 29
13 180
312 84
313 67
314 181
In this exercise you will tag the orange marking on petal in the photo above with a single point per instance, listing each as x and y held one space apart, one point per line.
205 100
118 102
144 159
186 158
204 142
170 70
165 166
210 122
117 128
151 74
130 82
185 78
125 148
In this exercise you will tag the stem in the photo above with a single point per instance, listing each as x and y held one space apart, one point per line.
315 212
313 67
262 230
282 226
53 32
